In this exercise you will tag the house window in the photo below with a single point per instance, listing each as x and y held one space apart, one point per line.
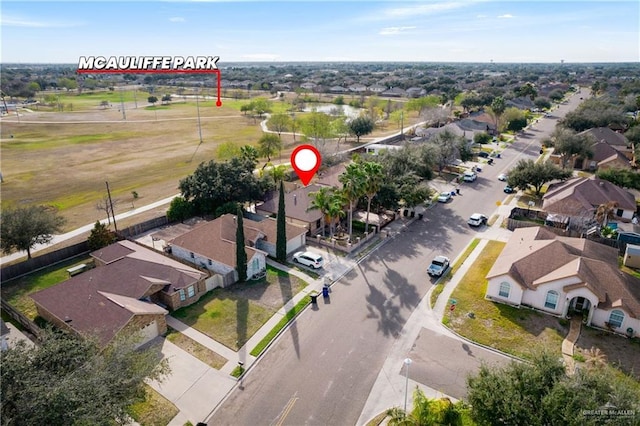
552 300
191 290
616 318
505 288
619 212
192 255
182 296
256 265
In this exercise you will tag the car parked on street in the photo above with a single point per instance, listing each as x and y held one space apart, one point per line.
508 189
308 258
469 176
477 219
438 266
444 197
502 177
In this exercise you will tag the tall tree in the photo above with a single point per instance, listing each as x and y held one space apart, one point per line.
241 254
498 106
269 145
279 123
361 126
528 173
604 213
24 227
281 228
569 144
426 411
353 183
321 200
374 176
66 380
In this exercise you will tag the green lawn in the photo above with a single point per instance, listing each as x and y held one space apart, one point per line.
232 315
17 291
511 330
196 349
454 268
155 410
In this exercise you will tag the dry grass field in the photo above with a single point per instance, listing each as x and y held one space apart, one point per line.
65 158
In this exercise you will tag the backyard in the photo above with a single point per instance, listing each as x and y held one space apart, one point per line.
232 315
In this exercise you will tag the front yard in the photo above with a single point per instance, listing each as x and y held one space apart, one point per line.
515 331
522 331
232 315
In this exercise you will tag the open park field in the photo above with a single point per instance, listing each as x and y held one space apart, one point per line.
65 158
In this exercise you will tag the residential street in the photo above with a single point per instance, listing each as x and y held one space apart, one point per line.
324 366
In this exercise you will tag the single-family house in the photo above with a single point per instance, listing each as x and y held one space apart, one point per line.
416 92
604 157
579 198
212 245
297 202
394 92
614 139
376 88
338 89
358 88
566 276
127 292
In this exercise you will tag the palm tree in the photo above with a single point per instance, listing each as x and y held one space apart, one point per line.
595 358
353 182
321 200
604 213
374 177
278 173
335 209
426 411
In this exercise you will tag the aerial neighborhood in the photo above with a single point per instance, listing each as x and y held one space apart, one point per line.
481 217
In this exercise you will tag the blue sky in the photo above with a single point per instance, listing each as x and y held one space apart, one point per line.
443 31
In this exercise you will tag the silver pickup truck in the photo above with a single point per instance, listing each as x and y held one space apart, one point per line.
438 266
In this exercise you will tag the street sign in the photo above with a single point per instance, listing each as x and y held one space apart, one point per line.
452 307
453 301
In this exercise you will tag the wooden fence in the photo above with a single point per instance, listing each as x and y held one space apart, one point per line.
21 319
42 261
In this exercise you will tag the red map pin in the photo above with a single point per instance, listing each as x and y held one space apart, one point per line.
306 161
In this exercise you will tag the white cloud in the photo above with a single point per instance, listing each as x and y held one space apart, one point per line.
15 21
261 57
506 16
418 10
177 19
394 30
481 16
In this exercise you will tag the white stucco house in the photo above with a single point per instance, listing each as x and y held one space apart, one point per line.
566 276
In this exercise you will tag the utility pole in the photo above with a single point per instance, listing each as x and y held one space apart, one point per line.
124 115
113 215
199 125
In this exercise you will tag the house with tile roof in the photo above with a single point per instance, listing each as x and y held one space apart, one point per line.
566 276
212 245
128 291
580 197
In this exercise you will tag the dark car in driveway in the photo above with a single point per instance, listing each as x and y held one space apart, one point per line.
508 189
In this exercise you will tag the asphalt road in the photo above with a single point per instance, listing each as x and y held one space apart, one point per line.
321 370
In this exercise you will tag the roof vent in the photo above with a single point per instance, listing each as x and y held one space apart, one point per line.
295 199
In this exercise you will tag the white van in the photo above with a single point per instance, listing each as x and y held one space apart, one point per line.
469 176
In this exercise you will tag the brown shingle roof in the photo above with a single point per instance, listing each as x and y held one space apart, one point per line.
581 195
533 256
215 240
296 204
87 300
607 135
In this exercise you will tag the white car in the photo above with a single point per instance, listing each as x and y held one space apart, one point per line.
309 258
444 197
469 176
502 177
477 219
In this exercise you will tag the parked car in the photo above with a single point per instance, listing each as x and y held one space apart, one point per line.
483 154
502 177
444 197
438 266
469 176
477 219
508 189
308 258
